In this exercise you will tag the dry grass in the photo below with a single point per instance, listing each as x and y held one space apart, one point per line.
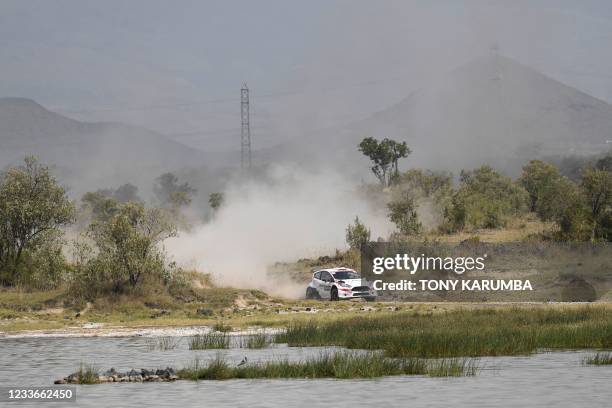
518 229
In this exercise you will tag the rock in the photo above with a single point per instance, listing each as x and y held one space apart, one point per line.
140 375
167 372
110 372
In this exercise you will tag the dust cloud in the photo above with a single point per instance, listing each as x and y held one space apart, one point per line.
290 215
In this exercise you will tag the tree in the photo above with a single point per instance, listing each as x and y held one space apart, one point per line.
548 189
605 163
215 200
485 199
427 183
357 234
33 208
573 217
101 205
402 212
126 193
555 197
385 155
126 250
170 193
597 187
538 175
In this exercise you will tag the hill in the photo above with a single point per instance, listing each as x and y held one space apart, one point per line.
88 155
492 110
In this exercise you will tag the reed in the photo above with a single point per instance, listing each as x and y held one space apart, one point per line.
461 333
339 365
255 341
163 343
209 341
600 358
87 374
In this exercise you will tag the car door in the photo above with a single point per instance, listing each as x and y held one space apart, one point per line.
316 282
326 284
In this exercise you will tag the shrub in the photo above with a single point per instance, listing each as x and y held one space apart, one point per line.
357 234
124 252
485 199
403 213
427 183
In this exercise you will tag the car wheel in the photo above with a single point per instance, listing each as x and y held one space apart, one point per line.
311 293
334 294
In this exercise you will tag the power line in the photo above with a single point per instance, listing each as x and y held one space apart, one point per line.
232 100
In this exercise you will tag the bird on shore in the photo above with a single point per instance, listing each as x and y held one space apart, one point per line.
243 362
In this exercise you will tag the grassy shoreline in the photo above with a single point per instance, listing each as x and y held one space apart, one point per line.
338 365
461 333
290 313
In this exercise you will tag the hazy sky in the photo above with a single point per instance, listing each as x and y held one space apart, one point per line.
177 66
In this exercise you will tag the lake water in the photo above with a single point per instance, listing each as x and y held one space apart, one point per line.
555 379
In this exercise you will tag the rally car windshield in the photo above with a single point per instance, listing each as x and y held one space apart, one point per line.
346 275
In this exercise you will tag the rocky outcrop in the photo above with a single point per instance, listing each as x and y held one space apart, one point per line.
140 375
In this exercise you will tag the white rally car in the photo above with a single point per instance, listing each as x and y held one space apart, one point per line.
339 283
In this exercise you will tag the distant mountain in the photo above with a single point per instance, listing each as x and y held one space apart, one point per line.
88 155
493 110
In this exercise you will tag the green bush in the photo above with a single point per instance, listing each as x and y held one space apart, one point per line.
357 234
484 199
45 268
427 183
122 252
403 213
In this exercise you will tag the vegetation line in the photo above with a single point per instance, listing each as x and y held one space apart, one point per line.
601 358
461 333
340 365
209 341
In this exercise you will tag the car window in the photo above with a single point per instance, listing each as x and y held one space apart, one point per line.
325 276
346 275
317 275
